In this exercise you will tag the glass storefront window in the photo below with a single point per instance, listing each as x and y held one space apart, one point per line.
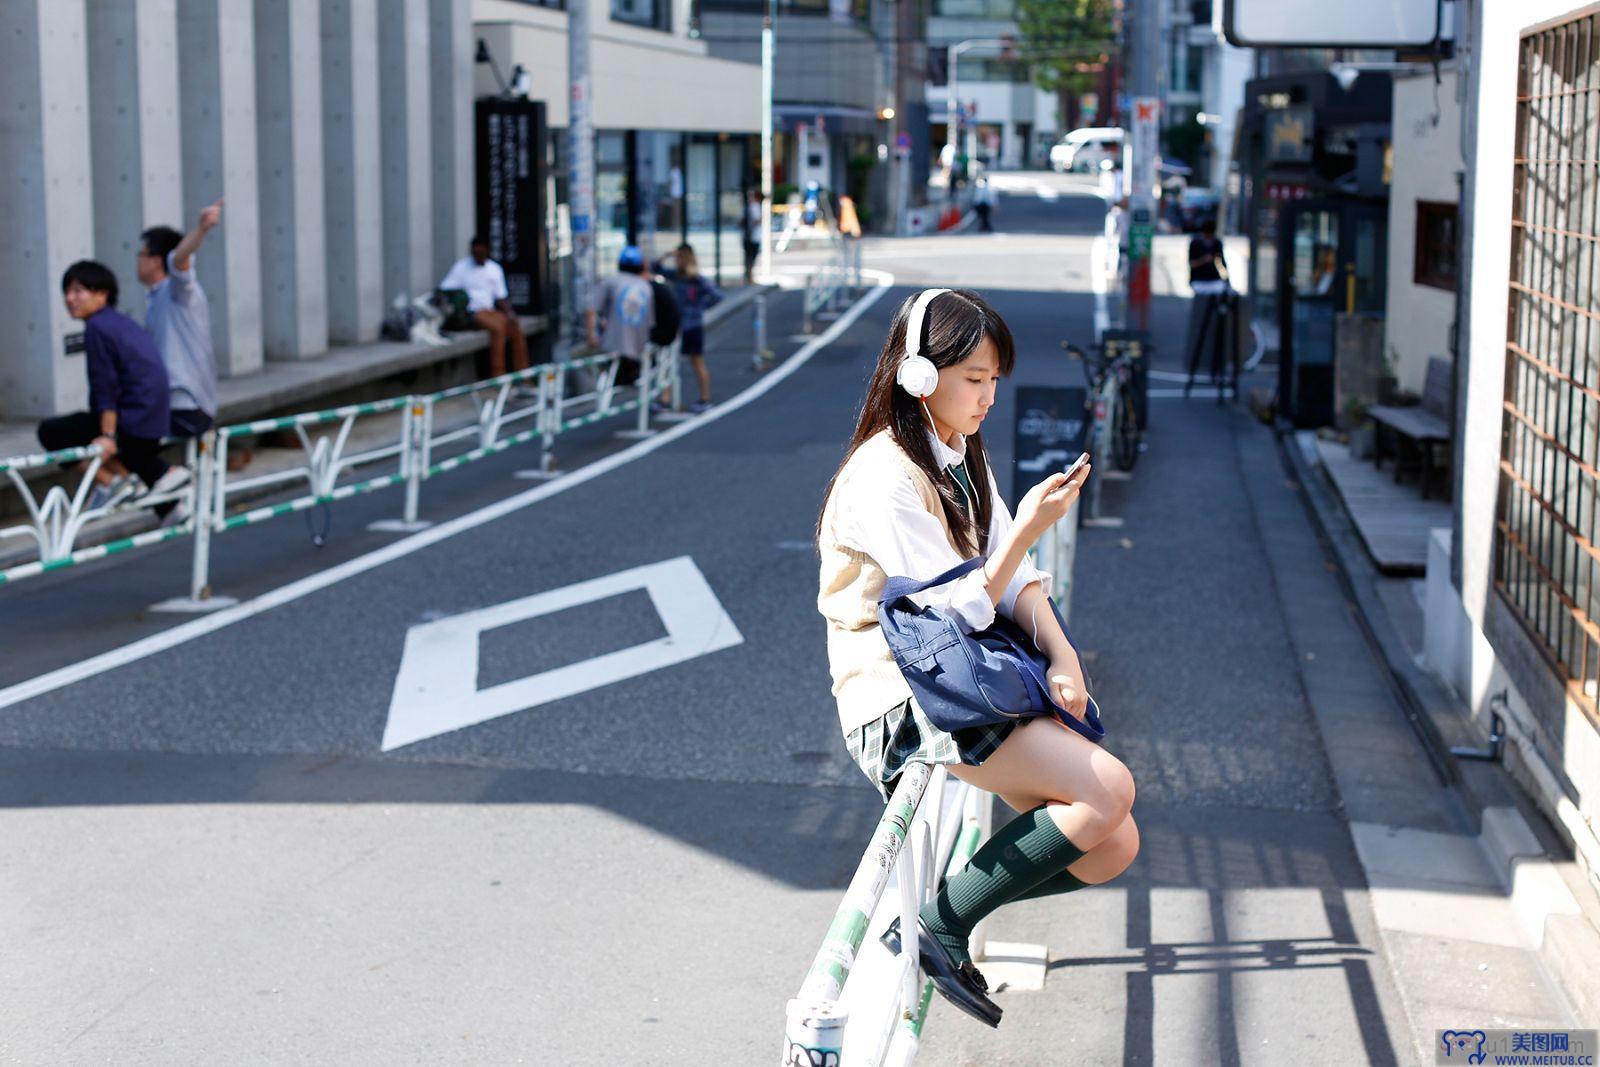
651 14
610 199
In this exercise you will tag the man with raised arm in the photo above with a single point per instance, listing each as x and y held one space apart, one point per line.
179 318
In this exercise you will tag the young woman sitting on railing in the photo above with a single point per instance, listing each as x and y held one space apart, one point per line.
914 498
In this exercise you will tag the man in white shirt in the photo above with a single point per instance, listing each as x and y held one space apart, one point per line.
489 304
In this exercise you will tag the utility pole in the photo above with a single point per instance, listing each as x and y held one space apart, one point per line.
1143 35
580 160
769 15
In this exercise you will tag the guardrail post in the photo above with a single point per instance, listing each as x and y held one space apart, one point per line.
762 354
205 471
647 395
416 431
806 325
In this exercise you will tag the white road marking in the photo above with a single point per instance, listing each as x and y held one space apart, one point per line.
185 632
436 689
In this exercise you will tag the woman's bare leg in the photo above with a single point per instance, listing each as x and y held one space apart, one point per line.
1088 790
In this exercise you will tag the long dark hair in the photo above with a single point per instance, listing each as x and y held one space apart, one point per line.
956 323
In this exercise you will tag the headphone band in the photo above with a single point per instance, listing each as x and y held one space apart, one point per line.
919 312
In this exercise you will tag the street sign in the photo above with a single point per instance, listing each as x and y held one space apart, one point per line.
1347 24
1048 435
511 188
436 689
1146 145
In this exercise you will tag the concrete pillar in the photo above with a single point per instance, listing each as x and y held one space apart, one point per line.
46 208
405 116
451 47
294 283
217 82
134 131
352 174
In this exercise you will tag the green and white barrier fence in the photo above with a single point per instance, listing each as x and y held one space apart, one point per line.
512 409
56 521
855 1012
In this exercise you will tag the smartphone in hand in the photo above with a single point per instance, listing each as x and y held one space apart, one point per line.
1082 459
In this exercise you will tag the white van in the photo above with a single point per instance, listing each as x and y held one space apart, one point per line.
1083 149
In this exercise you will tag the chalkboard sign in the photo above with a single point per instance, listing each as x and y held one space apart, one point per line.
511 209
1135 344
1049 434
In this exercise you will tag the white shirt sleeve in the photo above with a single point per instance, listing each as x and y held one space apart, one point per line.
181 283
885 519
500 290
1000 524
454 277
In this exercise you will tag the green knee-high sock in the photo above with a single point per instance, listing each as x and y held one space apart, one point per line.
1021 854
1062 881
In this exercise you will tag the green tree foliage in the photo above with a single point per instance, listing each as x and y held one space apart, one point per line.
1067 43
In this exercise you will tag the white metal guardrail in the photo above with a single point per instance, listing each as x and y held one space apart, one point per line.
933 823
513 409
56 520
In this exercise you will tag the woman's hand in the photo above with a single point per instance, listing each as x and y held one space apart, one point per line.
1047 503
108 446
1067 688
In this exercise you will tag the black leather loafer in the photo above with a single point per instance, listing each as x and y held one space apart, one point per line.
962 984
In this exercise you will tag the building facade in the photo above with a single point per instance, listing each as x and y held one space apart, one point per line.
676 145
1014 123
337 133
1512 590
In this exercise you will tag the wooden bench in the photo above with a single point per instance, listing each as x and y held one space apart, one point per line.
1419 430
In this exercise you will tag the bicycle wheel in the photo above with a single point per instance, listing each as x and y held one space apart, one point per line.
1124 435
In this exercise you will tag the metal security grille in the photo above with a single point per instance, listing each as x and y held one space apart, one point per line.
1546 559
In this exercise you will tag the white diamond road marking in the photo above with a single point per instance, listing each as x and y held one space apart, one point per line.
436 690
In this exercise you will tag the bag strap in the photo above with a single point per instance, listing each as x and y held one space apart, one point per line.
895 588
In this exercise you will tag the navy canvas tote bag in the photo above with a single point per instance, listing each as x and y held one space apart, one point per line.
962 680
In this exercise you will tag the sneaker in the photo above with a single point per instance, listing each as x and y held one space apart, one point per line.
175 478
700 407
112 493
658 408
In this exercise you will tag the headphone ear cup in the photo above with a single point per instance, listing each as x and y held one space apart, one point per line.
918 376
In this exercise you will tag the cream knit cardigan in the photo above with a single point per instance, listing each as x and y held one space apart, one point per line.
866 680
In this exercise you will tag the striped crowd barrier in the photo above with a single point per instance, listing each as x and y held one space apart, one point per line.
533 405
56 520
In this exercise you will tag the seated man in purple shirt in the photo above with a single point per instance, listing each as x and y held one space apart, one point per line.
128 393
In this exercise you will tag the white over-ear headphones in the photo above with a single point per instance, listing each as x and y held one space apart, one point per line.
917 375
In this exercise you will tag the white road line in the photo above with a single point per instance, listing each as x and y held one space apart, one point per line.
188 631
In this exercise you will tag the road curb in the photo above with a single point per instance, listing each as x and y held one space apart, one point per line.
1542 890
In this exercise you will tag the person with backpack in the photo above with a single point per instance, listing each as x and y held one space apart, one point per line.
695 293
622 313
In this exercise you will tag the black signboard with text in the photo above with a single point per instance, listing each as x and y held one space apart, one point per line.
511 145
1048 436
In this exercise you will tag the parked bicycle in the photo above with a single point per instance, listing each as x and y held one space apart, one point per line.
1113 425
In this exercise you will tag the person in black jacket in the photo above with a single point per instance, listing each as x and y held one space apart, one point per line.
129 410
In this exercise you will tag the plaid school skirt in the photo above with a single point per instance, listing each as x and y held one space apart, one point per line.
903 735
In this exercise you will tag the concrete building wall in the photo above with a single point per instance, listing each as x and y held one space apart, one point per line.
216 83
134 131
1473 643
353 184
46 200
1427 159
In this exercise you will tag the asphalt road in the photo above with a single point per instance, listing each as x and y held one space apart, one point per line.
211 856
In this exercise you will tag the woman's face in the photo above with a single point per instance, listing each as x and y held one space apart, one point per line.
966 390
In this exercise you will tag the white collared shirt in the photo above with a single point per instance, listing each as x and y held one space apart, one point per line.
885 518
484 283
